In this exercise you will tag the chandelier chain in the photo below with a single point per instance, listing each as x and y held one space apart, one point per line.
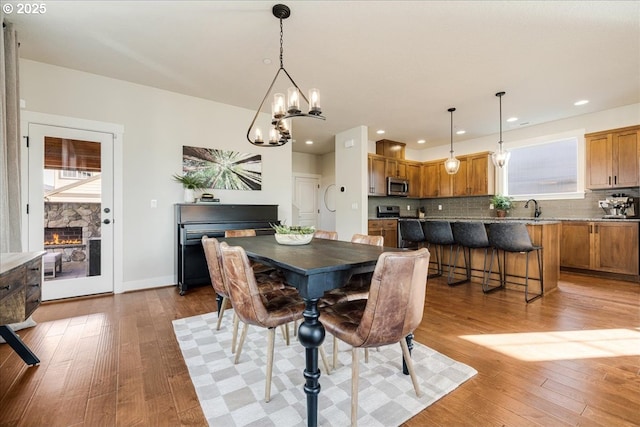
281 48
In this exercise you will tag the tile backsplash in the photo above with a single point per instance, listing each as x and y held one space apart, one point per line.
478 206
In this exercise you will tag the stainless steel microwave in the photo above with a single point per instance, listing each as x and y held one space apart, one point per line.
397 186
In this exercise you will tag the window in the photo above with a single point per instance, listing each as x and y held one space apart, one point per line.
548 168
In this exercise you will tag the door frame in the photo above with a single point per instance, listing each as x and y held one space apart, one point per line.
117 130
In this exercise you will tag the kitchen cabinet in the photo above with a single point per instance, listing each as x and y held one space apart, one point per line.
476 176
414 175
613 158
387 228
377 178
431 179
390 149
601 246
397 168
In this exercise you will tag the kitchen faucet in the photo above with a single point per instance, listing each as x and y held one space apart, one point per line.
536 211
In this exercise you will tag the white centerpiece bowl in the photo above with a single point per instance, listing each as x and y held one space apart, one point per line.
293 239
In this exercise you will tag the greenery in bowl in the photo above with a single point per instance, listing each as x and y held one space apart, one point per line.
190 182
292 229
502 203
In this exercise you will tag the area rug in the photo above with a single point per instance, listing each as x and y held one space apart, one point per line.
233 395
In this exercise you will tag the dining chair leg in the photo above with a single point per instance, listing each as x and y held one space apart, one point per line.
285 332
271 337
409 362
241 343
355 374
325 362
366 355
335 352
234 338
223 306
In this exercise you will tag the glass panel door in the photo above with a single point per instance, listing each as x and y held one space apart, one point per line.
70 202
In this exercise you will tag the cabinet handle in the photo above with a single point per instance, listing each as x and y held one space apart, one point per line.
609 180
35 269
35 285
615 179
5 288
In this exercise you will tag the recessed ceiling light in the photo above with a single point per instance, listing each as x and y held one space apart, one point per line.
581 102
461 132
421 141
266 61
512 119
308 142
380 132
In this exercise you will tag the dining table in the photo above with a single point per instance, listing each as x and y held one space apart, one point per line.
312 269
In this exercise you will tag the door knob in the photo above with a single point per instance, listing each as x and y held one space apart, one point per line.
107 221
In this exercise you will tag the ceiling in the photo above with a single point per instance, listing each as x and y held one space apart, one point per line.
392 65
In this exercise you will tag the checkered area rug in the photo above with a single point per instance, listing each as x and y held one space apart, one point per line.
233 395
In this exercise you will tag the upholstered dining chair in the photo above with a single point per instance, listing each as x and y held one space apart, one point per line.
253 309
269 285
329 235
358 285
240 233
393 310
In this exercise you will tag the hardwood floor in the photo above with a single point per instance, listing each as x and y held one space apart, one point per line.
114 360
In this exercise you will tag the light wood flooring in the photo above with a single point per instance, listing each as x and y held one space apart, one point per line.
114 360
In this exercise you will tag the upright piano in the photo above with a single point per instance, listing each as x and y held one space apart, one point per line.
194 220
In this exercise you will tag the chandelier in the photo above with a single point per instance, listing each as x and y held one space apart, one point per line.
500 157
280 132
452 164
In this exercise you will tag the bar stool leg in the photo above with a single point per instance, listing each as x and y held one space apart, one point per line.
485 284
526 287
452 268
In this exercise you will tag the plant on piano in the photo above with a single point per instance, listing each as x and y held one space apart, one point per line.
190 182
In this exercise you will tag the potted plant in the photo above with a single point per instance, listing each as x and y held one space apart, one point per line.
190 183
293 235
502 204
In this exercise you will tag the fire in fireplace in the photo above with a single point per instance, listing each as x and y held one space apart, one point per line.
63 236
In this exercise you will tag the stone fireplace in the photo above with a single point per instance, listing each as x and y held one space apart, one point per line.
69 227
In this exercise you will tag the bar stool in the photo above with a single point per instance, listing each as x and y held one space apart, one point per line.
411 234
468 235
438 233
514 238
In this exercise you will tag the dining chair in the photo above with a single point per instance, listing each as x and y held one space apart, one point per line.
253 309
270 286
240 233
329 235
393 310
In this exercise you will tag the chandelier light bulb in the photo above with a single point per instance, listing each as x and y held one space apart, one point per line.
314 101
293 100
258 136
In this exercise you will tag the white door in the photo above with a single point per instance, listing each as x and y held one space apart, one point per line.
71 209
305 200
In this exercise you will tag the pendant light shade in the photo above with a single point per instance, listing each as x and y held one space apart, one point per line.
501 157
452 164
284 108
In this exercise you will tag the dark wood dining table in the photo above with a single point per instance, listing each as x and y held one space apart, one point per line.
313 269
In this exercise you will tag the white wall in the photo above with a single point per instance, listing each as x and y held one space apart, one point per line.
157 124
351 182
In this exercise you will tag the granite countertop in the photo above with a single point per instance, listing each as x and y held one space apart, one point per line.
514 219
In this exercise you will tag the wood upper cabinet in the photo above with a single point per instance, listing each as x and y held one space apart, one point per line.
397 168
476 176
414 175
613 158
431 179
603 246
377 178
391 149
387 228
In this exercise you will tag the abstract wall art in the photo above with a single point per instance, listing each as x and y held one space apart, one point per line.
223 169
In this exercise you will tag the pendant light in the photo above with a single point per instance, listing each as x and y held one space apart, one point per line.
280 133
501 157
452 164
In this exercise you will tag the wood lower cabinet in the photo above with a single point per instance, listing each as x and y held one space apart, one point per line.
613 158
610 247
387 228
